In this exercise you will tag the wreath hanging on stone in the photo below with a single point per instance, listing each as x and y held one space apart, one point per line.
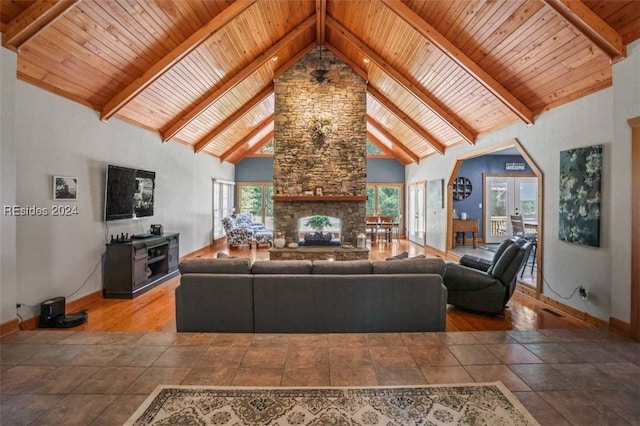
320 128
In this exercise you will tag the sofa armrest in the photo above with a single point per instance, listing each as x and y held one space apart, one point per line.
475 262
462 278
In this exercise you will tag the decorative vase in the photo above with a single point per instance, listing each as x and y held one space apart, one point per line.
361 240
278 240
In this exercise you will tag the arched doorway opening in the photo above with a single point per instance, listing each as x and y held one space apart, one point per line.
535 288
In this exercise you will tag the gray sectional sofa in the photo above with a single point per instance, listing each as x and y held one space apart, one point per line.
301 296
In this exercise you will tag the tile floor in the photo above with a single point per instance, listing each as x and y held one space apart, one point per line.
563 377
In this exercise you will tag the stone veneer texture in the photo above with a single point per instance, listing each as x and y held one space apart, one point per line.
337 165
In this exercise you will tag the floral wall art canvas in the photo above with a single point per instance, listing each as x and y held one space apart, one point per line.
580 176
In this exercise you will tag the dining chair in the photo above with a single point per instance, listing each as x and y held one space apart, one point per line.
519 230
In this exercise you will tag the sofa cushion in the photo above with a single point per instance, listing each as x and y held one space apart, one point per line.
281 267
343 267
399 256
410 266
215 266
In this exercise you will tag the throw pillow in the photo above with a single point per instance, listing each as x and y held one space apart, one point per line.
399 256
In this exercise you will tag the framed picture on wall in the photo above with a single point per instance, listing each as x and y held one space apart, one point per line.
65 188
435 194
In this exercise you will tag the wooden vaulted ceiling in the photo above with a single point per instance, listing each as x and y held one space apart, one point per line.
439 73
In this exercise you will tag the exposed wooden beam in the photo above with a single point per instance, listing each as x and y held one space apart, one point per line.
120 100
291 62
321 15
592 26
206 140
392 138
35 18
262 142
402 80
247 138
237 79
431 140
378 143
460 58
344 58
398 154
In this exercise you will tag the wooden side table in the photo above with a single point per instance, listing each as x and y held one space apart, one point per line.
464 226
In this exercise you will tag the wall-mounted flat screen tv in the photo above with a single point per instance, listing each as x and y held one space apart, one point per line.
129 193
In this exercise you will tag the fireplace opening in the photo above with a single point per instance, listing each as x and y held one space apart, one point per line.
319 230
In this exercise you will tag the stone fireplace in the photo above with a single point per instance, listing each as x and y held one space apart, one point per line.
326 176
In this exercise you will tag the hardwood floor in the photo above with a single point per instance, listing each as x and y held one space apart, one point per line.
155 310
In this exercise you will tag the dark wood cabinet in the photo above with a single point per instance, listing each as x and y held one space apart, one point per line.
136 266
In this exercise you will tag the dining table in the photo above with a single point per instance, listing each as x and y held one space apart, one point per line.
384 228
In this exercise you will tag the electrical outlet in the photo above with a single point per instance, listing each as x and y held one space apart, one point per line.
584 294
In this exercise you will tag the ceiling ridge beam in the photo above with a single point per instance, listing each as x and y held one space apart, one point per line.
460 58
393 139
239 77
34 19
395 110
592 26
466 133
257 129
233 118
399 155
121 99
321 15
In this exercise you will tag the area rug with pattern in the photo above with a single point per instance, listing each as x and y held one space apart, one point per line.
467 404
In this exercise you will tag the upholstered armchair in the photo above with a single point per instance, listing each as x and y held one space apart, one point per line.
261 235
237 235
486 286
244 220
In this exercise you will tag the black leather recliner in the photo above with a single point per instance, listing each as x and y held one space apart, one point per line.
486 286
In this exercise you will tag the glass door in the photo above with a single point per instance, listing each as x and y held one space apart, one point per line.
504 196
415 218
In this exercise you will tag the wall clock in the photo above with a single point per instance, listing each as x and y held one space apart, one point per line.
461 188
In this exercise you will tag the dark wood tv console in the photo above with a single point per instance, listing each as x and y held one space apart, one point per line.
134 267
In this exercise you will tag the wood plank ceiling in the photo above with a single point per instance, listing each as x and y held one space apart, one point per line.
201 72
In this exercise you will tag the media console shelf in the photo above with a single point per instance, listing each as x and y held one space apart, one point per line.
134 267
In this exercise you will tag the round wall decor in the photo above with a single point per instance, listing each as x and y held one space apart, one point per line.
461 188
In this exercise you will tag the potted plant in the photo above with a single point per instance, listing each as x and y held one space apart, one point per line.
318 237
318 222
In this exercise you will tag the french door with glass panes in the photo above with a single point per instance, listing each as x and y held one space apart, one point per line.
257 200
504 196
415 218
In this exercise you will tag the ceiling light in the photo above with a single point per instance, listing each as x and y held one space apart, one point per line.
275 58
319 73
365 60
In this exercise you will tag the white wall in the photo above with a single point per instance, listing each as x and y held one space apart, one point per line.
55 136
626 105
595 119
8 276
